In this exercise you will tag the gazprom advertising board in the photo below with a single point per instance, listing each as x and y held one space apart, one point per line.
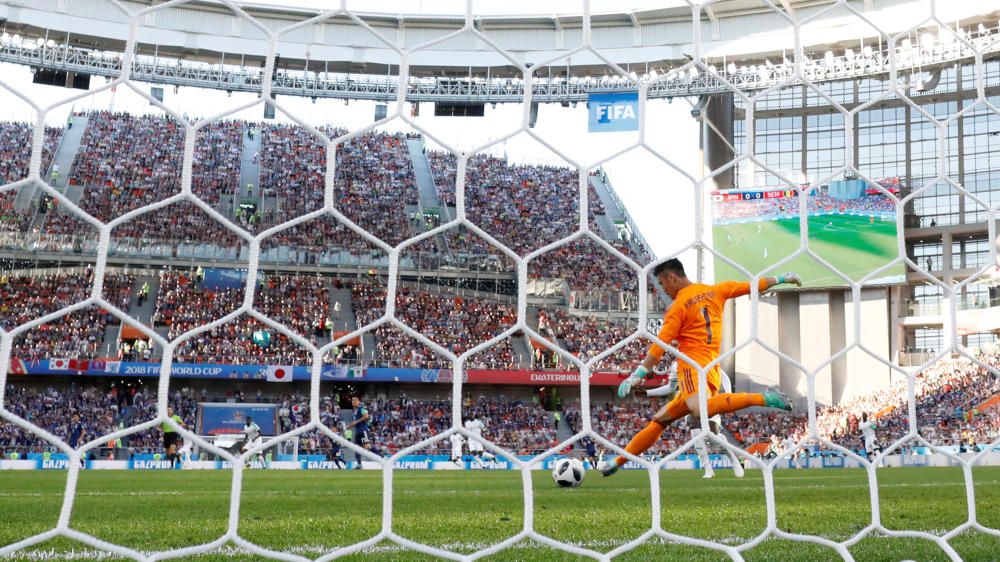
613 112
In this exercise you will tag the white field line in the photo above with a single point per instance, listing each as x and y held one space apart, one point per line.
779 484
317 550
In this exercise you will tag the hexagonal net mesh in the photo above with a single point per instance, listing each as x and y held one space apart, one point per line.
752 90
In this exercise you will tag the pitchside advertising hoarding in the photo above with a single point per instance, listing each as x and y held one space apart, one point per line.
918 456
613 112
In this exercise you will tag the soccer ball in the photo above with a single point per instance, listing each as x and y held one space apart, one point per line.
568 472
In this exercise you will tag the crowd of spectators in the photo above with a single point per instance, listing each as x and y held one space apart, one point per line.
587 337
519 426
816 204
373 183
522 206
126 161
183 304
946 394
15 150
100 411
758 426
77 334
300 302
320 240
179 223
585 265
293 167
456 323
15 157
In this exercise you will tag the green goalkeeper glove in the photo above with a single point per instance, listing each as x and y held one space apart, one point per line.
636 378
789 278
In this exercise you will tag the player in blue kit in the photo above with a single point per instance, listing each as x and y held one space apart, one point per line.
76 436
359 428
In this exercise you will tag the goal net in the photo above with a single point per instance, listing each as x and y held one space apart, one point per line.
799 171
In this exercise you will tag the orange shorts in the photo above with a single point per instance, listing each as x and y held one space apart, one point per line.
687 382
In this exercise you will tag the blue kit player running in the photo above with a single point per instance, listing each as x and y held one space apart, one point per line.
359 427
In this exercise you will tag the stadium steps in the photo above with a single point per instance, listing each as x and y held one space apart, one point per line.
428 198
249 173
142 313
611 209
109 347
531 321
564 432
368 348
522 350
422 172
344 319
65 153
531 318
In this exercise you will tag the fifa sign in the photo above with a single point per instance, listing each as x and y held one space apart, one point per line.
613 112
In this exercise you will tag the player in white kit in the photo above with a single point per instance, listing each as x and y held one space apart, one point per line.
251 437
868 432
786 446
185 454
714 422
456 448
475 427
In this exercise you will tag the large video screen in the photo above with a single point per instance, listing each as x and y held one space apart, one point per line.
225 418
852 225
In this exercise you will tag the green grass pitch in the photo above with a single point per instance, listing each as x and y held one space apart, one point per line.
310 513
853 245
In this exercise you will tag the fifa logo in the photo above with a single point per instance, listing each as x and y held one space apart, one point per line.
607 113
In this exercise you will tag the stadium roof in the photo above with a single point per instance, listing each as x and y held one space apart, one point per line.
361 46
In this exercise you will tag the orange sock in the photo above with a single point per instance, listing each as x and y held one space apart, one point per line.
643 440
726 403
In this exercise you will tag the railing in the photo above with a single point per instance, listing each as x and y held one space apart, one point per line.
937 308
612 301
158 69
86 244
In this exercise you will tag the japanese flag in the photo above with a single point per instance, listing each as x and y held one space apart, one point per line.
279 373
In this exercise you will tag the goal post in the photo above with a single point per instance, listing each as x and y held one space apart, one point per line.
783 97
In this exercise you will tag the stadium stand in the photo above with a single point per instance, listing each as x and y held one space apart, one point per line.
373 182
15 150
456 323
588 337
522 206
77 334
15 156
299 302
125 162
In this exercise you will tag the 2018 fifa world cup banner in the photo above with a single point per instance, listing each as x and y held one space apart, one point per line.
301 373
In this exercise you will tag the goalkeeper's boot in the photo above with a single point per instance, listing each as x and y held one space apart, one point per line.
774 398
608 468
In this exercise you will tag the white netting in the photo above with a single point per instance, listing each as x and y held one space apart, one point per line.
795 72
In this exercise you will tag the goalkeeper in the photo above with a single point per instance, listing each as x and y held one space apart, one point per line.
669 390
694 320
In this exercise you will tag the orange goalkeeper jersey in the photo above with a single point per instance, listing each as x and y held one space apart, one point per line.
695 321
